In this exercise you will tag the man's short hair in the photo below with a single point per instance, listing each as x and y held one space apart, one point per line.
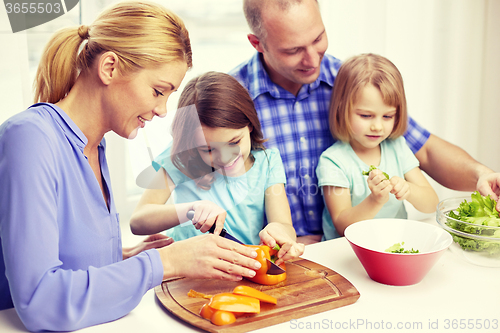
253 13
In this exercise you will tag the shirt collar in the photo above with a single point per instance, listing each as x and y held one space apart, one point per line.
71 130
260 82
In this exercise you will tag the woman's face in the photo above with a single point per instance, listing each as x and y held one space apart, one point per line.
225 149
138 97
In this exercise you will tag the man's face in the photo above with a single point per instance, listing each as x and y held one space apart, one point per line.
295 44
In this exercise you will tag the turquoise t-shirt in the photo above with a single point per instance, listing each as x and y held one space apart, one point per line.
340 166
241 197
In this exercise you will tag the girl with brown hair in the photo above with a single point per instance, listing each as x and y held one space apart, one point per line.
62 265
368 116
218 167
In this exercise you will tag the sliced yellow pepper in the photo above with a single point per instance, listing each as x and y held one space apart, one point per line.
252 292
234 303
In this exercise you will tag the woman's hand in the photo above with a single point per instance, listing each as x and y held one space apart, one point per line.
400 188
273 234
379 185
208 257
206 213
151 242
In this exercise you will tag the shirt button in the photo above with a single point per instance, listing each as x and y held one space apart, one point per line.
311 213
306 177
302 139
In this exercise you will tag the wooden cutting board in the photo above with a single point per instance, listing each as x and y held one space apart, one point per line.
309 288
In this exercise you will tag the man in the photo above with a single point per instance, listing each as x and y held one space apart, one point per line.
290 79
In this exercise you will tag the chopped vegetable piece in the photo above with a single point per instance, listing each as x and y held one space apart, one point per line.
220 318
234 303
251 292
372 167
206 311
265 252
398 248
195 294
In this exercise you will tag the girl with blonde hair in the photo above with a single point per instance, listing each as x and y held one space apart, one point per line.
368 116
62 265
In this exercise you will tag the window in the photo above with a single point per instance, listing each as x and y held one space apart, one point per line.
19 59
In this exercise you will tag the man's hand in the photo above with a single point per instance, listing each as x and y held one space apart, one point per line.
489 184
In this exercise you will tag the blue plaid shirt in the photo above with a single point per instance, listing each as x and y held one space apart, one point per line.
298 127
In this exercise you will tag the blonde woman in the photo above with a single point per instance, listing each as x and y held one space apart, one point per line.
368 116
62 265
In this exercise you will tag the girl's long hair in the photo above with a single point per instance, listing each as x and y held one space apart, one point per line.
213 100
353 76
142 34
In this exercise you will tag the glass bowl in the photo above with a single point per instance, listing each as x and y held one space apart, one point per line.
371 238
477 244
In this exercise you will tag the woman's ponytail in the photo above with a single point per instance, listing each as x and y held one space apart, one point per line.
141 34
58 68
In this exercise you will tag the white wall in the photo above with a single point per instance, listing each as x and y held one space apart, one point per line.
448 52
15 89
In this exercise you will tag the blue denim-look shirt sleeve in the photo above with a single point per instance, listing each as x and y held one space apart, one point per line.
416 136
52 285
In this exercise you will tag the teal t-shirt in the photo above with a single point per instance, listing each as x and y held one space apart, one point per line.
241 197
340 166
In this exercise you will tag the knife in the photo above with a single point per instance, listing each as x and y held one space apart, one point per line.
273 268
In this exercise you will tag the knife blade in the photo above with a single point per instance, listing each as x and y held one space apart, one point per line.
273 269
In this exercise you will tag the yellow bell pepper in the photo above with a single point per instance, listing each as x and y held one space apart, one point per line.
234 303
265 252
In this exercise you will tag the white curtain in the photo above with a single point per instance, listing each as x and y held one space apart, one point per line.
448 52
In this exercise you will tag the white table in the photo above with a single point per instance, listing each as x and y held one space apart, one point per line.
453 294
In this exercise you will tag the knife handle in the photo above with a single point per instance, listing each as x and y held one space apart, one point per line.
190 215
222 233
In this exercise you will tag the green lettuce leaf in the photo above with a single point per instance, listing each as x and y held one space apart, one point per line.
481 213
372 167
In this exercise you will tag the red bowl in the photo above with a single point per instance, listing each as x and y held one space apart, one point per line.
370 238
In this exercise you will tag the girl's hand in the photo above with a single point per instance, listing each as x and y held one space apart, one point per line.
155 241
379 186
289 249
400 188
206 213
208 257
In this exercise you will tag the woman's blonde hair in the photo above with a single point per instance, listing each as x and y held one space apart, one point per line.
353 76
141 34
213 100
